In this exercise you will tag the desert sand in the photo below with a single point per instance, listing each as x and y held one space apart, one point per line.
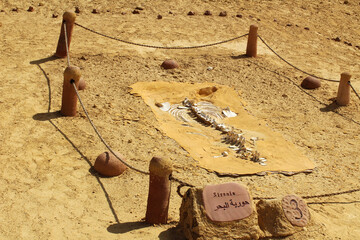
48 188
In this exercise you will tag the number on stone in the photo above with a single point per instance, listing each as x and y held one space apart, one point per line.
297 208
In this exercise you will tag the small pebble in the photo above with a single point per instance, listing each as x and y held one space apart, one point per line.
159 16
346 2
136 12
358 47
54 15
95 11
223 14
170 12
289 25
123 13
77 10
306 28
30 9
40 4
348 43
207 13
139 8
337 39
191 13
239 16
15 9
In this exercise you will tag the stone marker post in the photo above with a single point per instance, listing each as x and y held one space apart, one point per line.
251 49
343 94
69 97
69 19
159 191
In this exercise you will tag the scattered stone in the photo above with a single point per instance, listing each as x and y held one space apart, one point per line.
15 9
170 12
289 25
348 43
207 90
337 39
30 9
310 83
258 19
123 13
275 20
108 165
358 47
40 4
83 58
82 84
77 10
159 16
139 8
306 28
223 14
196 224
136 12
54 15
2 10
346 2
239 16
95 11
191 13
207 13
169 64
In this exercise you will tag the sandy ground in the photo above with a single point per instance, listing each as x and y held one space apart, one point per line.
48 190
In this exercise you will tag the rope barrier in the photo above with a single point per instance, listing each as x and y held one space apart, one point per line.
66 44
330 80
159 47
101 138
172 178
354 90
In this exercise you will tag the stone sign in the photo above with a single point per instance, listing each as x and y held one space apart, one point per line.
296 210
227 202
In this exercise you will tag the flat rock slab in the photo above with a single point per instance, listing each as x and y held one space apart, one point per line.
227 202
296 210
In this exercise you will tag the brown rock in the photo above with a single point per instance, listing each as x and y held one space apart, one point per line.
207 91
310 83
95 11
15 9
159 17
40 4
272 219
169 64
30 9
207 13
54 15
191 13
82 84
139 8
108 165
136 12
196 225
223 14
77 10
239 16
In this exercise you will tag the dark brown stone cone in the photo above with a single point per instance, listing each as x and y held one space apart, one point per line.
82 84
272 219
310 83
223 14
108 165
196 224
169 64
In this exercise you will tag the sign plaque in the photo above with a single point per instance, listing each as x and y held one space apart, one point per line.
227 202
296 210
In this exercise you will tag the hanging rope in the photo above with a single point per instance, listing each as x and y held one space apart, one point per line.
330 80
159 47
66 44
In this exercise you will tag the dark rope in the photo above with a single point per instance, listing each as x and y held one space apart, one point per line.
101 138
354 90
330 80
159 47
